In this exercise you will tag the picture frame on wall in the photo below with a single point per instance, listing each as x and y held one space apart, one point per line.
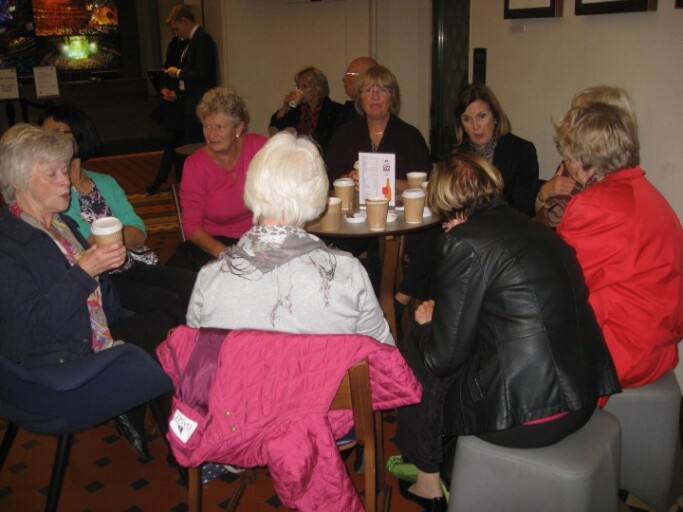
613 6
679 4
517 9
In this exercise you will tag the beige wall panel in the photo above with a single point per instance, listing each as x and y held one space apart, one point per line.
536 72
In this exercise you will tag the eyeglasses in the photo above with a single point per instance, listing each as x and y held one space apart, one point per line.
63 131
350 73
383 91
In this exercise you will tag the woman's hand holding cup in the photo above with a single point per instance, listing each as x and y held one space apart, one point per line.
100 258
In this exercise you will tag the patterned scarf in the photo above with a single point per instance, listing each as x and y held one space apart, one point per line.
73 250
308 119
486 151
266 249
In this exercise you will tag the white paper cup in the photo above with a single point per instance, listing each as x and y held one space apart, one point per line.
344 189
415 179
331 219
297 100
377 209
107 230
413 204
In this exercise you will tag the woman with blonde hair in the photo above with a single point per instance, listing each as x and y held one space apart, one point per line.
554 194
211 194
378 130
509 349
628 240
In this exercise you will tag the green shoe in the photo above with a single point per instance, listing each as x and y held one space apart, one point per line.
402 470
408 472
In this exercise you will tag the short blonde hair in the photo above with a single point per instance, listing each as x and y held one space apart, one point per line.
25 147
226 101
286 181
601 137
382 77
462 185
615 96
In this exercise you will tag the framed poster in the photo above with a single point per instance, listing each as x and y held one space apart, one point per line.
679 4
516 9
613 6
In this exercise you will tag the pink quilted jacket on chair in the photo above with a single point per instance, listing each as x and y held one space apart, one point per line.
267 405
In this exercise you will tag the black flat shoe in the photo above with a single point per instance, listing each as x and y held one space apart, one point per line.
427 504
136 440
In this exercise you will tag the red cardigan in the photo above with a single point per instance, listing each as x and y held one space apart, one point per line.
629 242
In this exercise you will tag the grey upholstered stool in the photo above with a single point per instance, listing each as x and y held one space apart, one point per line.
650 448
578 474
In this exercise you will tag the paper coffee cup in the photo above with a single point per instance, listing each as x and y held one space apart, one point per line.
415 179
297 100
331 219
377 210
344 189
107 230
414 205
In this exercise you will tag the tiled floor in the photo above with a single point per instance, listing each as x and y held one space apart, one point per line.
104 473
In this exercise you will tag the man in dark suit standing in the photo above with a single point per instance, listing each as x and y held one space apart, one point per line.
169 113
197 71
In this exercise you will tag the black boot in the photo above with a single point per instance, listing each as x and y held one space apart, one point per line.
135 439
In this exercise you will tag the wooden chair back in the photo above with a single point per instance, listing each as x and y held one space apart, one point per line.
176 200
354 393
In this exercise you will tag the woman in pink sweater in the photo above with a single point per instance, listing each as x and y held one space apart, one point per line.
211 193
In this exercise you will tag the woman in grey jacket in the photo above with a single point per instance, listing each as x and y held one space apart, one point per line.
509 349
279 277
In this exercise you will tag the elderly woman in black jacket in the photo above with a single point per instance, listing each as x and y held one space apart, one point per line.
509 350
58 302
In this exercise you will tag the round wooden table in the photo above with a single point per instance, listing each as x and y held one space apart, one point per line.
391 251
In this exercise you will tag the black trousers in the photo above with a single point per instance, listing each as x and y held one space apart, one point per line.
419 433
189 256
170 159
146 330
148 288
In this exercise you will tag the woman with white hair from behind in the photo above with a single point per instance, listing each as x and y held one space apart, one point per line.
278 276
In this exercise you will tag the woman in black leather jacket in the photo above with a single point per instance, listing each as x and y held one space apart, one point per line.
509 350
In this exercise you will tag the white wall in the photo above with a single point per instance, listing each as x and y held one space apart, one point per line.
535 74
264 43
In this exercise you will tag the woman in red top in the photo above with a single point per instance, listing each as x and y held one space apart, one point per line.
628 241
